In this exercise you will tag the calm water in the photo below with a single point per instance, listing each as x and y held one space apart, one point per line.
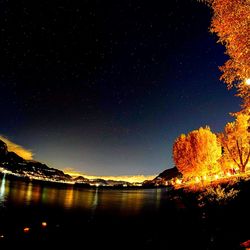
75 213
68 197
142 218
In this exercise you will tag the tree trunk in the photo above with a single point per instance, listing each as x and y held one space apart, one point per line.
242 169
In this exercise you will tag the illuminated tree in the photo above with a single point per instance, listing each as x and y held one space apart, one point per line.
236 142
227 164
231 22
197 153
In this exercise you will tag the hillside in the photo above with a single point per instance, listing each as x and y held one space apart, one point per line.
12 163
15 164
164 177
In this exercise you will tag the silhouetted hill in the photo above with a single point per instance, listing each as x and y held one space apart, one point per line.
14 163
169 174
163 177
80 179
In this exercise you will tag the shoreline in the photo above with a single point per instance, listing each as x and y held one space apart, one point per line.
27 179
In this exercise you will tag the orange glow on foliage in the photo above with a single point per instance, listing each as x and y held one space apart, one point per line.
216 177
196 154
178 181
236 142
231 22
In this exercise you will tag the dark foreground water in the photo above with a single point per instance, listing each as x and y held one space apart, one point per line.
143 218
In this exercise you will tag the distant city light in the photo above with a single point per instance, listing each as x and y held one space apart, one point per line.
26 229
44 224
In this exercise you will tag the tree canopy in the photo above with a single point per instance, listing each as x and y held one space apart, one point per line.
196 154
236 142
231 23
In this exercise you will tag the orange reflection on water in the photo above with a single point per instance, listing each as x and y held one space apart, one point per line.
69 197
36 193
86 198
52 196
29 192
132 202
118 201
19 193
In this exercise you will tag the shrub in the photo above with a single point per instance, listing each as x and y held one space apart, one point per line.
217 195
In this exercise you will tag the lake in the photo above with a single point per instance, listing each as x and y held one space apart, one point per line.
144 218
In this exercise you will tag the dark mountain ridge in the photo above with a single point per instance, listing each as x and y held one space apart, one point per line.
164 178
12 162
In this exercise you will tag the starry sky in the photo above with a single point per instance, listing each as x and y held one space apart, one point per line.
105 87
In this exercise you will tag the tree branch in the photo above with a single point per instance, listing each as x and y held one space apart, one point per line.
247 159
230 153
240 153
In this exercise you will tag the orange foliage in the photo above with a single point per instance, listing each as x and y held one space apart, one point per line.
231 22
196 154
236 142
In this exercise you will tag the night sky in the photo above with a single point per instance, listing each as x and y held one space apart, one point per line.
105 87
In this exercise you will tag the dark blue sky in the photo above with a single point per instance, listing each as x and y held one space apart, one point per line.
105 87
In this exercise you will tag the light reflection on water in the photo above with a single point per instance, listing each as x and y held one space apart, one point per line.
68 197
2 190
101 215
